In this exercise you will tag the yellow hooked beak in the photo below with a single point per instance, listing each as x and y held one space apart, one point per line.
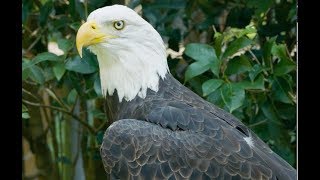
89 34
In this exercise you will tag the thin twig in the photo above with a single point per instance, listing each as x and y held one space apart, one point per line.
256 59
30 82
254 56
52 94
214 29
29 93
36 40
92 130
258 123
34 43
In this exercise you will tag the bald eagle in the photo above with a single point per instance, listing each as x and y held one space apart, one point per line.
161 129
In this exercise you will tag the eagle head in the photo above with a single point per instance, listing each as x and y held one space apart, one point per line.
130 52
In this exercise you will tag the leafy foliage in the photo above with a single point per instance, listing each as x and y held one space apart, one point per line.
239 55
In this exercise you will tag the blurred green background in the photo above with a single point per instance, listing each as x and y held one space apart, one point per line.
237 54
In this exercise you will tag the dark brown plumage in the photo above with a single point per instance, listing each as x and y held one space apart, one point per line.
175 134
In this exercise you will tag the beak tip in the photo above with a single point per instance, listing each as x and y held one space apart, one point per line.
80 53
79 49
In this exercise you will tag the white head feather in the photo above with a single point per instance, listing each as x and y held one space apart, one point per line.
132 62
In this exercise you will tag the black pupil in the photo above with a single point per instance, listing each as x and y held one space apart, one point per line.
118 23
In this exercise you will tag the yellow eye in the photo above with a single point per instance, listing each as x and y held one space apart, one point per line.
118 25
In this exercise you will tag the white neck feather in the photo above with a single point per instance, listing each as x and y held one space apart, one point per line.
131 70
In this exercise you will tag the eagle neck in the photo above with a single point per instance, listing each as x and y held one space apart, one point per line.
133 109
130 75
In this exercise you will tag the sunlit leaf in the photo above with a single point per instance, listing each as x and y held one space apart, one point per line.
203 54
24 108
25 115
236 46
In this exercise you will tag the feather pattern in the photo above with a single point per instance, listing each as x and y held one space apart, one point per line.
175 134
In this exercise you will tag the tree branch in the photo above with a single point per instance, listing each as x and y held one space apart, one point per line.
91 129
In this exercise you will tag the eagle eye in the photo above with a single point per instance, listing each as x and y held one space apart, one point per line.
119 25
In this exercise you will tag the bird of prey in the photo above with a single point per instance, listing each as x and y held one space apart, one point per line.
161 129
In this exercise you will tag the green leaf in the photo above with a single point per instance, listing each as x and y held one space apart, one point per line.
280 90
26 8
25 115
250 31
25 74
215 68
59 70
216 99
269 112
266 51
201 52
45 10
238 65
24 108
46 56
72 97
248 85
177 4
204 54
48 73
97 86
196 69
279 50
233 96
83 66
65 45
285 65
75 26
259 6
255 70
237 46
218 39
210 86
36 74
